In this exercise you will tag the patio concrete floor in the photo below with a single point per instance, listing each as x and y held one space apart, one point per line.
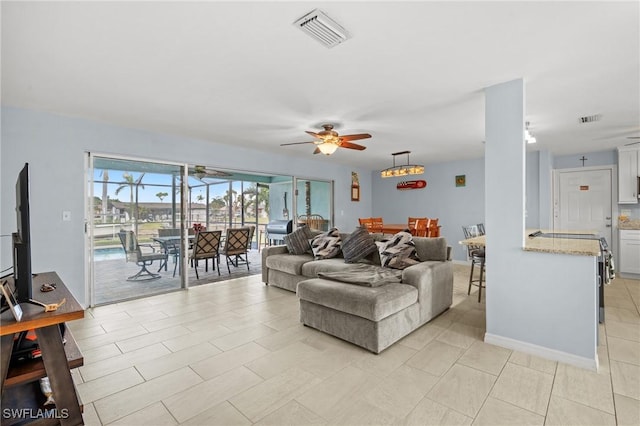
112 285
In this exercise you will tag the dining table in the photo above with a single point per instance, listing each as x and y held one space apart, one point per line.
394 228
171 245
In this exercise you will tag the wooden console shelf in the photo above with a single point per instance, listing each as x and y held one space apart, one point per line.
28 371
19 383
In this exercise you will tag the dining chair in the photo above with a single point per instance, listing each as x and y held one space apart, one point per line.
236 246
433 229
477 256
315 222
143 258
417 226
206 246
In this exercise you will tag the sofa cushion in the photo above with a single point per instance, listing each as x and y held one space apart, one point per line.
289 263
431 248
372 303
313 268
398 252
297 242
357 245
326 245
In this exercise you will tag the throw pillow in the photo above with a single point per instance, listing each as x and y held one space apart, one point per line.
398 252
358 245
326 245
297 242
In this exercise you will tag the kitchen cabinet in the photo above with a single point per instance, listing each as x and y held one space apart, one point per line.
630 251
628 172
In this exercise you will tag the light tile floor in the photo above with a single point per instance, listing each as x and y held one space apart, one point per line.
234 353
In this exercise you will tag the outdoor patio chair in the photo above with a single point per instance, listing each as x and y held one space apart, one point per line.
207 246
236 246
134 253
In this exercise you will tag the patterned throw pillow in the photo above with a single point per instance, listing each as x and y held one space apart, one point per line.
298 241
358 245
326 245
398 252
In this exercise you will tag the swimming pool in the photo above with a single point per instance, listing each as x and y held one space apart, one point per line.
108 253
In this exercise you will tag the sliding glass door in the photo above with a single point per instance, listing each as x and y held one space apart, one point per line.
314 203
135 228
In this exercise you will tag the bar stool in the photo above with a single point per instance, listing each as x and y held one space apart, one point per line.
477 256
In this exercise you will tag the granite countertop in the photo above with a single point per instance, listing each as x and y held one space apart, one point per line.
578 247
563 246
629 224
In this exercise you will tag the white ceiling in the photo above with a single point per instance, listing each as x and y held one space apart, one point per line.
412 75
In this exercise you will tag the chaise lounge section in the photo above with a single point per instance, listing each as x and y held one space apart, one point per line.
373 315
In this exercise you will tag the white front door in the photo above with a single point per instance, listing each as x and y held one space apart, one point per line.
583 201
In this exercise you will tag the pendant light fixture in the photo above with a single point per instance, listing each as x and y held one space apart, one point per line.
404 170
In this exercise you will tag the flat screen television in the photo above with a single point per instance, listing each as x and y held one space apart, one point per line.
22 239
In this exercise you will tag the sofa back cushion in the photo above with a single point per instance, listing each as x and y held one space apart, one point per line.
431 248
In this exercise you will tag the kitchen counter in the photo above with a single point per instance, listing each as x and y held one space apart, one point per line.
629 224
573 246
563 245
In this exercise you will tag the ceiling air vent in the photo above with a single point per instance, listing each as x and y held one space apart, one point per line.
322 28
590 118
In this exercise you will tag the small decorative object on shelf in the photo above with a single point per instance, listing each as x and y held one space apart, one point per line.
461 180
197 227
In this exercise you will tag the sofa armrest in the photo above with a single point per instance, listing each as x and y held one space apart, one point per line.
434 281
270 251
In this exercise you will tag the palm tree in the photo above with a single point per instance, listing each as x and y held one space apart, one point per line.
161 195
130 183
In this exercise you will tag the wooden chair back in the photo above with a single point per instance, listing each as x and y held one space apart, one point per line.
414 222
373 224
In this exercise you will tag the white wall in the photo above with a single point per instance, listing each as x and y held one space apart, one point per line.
55 146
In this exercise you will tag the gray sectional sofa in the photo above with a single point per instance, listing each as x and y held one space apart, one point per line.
373 317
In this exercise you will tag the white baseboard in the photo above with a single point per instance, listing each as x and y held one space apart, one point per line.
541 351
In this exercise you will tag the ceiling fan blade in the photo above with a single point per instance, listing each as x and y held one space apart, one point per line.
315 135
352 146
316 151
296 143
355 137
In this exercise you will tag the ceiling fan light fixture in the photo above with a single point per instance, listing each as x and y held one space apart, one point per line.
327 148
403 170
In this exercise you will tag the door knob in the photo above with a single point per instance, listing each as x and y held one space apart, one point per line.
608 225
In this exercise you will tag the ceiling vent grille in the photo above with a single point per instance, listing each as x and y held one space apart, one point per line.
322 28
590 118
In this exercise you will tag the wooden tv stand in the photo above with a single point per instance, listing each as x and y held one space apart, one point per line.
19 382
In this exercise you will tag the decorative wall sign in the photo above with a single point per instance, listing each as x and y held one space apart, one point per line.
411 184
355 187
461 180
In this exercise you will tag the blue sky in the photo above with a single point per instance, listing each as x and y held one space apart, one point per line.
150 180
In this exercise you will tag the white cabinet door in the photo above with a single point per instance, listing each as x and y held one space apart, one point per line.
630 252
628 175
